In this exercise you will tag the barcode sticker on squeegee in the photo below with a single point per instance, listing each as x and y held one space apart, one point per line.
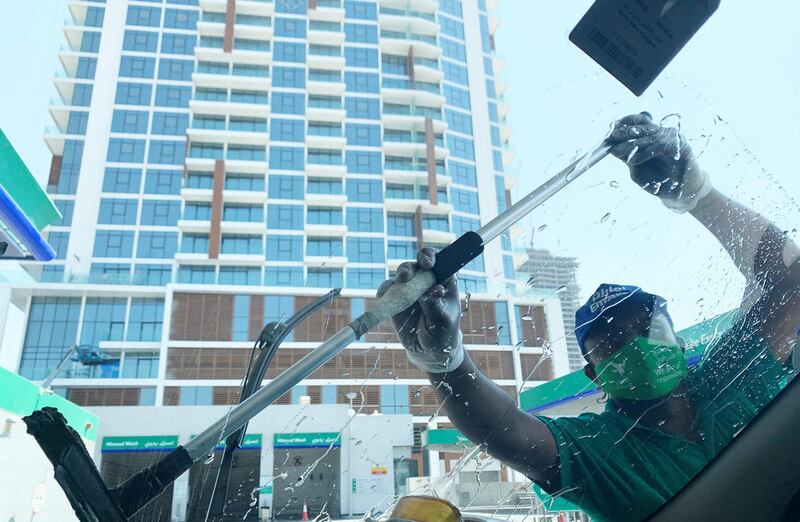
634 40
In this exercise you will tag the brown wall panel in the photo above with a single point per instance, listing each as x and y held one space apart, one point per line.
55 171
230 18
528 362
534 329
104 396
256 317
430 161
479 323
323 323
216 210
202 317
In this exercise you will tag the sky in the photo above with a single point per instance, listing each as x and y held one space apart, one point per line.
735 86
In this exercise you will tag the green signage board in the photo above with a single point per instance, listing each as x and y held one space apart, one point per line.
266 490
140 443
307 440
436 439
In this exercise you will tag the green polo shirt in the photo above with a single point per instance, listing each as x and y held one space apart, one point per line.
615 469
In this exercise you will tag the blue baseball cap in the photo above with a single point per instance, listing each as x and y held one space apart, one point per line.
608 296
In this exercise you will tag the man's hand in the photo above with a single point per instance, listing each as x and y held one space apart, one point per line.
660 161
429 329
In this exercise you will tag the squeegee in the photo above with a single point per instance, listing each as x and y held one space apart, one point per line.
77 474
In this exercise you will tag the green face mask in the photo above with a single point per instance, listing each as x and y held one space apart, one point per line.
643 369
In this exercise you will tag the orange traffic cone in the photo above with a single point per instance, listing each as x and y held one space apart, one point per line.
305 510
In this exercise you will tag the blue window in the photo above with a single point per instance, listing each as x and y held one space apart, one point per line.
180 19
400 224
285 217
461 147
451 27
452 7
278 308
122 180
325 278
118 211
292 27
66 208
363 134
171 69
287 130
86 68
361 162
241 244
365 277
360 10
247 152
476 264
508 267
133 93
459 121
401 249
465 201
394 64
288 103
490 89
286 158
454 50
239 275
291 7
195 396
361 82
194 243
493 114
365 250
324 216
170 123
59 241
206 150
113 243
103 320
167 152
324 157
130 122
160 245
145 319
82 95
160 213
199 180
485 36
324 186
152 275
361 57
94 17
241 212
439 223
291 77
136 67
323 247
286 187
364 190
500 189
197 275
248 97
497 160
359 33
244 182
472 284
463 174
125 150
457 97
110 273
284 248
462 225
283 276
177 43
52 323
495 134
290 52
143 16
173 96
142 41
363 108
70 167
360 219
261 71
394 399
76 124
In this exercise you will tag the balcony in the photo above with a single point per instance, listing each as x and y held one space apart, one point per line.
400 20
196 194
437 236
325 61
399 43
426 6
194 225
405 92
318 170
325 261
242 227
228 136
328 11
325 200
411 205
326 230
227 81
326 114
244 196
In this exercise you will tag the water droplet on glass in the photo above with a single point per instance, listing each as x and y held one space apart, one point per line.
209 458
467 297
613 184
541 228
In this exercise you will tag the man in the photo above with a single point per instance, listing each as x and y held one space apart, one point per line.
663 422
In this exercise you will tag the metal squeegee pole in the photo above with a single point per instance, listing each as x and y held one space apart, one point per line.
210 437
521 208
396 299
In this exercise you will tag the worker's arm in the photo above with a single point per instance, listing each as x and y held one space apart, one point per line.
429 330
662 162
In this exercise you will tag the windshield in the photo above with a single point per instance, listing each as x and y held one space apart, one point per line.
209 168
